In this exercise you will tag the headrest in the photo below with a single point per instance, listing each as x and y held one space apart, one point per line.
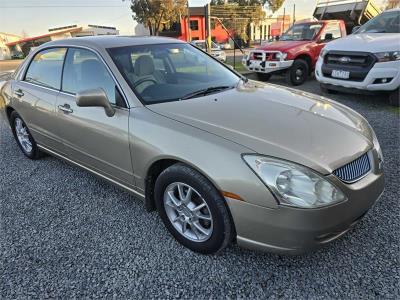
144 65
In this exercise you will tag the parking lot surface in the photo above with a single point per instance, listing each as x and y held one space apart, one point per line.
64 233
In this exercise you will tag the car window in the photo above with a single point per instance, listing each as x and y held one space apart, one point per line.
334 29
169 72
46 67
84 70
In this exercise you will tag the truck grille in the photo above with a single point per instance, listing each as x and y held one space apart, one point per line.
357 63
364 60
269 56
354 170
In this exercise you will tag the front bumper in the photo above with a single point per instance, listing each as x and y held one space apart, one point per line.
378 71
288 230
263 65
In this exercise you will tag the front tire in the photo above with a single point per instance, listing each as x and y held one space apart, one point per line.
394 98
23 137
298 72
193 210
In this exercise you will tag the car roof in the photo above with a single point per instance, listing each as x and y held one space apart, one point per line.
112 41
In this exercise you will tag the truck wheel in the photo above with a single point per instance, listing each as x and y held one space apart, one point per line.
298 72
394 98
325 90
264 76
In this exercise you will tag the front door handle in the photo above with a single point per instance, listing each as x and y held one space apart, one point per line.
19 93
66 108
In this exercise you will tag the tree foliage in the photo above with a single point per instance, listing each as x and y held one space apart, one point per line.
273 5
156 14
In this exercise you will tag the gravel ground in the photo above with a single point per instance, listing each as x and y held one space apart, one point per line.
66 234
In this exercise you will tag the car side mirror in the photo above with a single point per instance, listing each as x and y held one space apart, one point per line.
95 97
328 37
355 29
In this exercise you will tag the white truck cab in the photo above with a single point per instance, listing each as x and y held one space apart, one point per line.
367 60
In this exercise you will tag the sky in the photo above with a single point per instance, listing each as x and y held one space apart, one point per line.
35 17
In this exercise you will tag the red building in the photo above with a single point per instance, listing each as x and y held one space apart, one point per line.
197 28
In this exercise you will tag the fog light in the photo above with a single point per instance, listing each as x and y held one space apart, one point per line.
382 80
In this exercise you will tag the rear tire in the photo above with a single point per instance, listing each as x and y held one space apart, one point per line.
23 137
298 72
207 230
394 98
264 76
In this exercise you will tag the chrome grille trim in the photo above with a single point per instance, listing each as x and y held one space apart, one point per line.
354 170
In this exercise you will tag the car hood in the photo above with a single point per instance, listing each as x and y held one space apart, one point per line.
279 122
283 45
367 42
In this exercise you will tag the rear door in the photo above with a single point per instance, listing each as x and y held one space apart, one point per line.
91 138
35 96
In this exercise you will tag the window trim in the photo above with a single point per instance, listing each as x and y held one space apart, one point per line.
22 74
30 62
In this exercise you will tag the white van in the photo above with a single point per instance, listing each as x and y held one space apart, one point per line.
368 60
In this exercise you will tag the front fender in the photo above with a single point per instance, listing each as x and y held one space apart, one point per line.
154 137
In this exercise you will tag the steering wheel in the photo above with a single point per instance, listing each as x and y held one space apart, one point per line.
141 81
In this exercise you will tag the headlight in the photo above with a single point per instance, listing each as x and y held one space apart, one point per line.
387 56
294 185
281 56
323 53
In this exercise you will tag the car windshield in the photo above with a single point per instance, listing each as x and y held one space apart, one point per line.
171 72
301 32
388 22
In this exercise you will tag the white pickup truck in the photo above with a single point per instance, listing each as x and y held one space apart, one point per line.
368 60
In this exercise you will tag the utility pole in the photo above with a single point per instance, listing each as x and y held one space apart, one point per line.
208 27
283 22
294 13
189 34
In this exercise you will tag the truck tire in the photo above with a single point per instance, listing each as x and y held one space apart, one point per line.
298 72
264 76
394 97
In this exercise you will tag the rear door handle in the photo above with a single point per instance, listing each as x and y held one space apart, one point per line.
19 93
66 108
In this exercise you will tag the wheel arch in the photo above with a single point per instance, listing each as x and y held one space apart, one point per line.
9 111
306 58
159 165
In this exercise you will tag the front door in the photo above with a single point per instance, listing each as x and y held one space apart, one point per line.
91 138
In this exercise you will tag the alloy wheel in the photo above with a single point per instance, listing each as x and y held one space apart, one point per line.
188 212
23 135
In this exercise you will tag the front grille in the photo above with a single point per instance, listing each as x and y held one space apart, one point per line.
356 59
354 170
270 56
358 64
257 56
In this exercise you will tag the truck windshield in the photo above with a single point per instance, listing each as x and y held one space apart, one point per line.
388 22
302 32
171 72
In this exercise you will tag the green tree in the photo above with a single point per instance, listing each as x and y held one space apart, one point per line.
273 5
156 14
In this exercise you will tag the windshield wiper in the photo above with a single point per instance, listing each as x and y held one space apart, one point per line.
206 91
